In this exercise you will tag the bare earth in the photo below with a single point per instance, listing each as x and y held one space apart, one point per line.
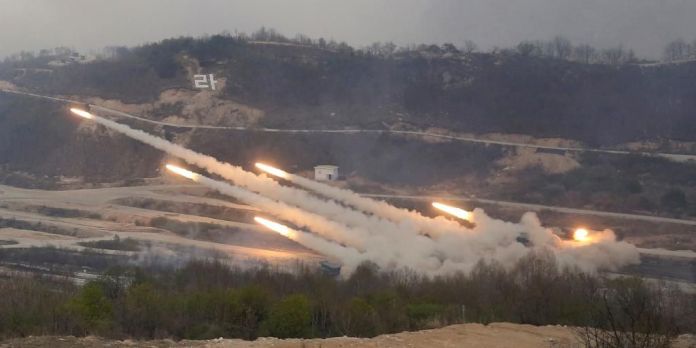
122 221
464 336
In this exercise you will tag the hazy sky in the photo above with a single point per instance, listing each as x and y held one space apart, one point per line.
644 25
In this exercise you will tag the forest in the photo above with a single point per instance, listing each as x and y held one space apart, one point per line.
206 299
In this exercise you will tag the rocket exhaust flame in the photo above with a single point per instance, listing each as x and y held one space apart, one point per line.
183 172
581 235
272 170
454 211
82 113
274 226
350 257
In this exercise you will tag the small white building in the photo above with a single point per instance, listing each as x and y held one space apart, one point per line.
326 173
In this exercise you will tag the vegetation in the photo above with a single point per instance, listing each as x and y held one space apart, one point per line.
198 209
127 244
37 226
195 230
628 314
62 261
612 183
67 213
165 110
207 299
680 50
543 88
40 138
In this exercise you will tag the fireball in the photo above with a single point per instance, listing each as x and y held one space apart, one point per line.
581 235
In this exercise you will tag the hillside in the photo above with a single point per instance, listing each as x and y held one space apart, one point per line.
505 96
306 86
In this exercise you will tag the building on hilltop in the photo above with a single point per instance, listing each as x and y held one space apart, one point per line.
326 172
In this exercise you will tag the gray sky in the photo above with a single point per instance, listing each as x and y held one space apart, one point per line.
644 25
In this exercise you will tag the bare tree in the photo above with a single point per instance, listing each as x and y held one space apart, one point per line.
614 56
388 48
45 53
303 39
450 48
585 54
629 314
381 49
470 47
528 48
562 48
676 50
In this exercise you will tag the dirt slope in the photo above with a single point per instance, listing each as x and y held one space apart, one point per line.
464 336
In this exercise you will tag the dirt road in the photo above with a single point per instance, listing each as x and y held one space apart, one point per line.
469 139
539 207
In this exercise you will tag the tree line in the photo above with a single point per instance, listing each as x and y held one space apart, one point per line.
558 47
680 50
209 299
562 48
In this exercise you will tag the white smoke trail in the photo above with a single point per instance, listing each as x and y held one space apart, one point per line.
387 252
299 217
349 257
392 244
382 251
426 225
397 243
264 185
462 248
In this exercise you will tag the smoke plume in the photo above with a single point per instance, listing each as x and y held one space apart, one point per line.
391 237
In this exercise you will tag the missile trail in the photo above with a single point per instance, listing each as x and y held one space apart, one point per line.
349 257
264 185
425 225
454 211
397 244
316 223
384 251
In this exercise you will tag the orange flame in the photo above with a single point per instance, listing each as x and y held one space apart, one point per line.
183 172
272 170
581 235
274 226
454 211
82 113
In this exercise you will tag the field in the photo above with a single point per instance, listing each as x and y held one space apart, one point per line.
78 219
